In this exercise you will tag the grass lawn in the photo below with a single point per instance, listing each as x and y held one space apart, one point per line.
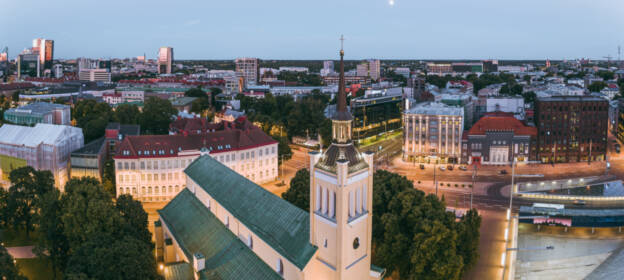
36 269
12 238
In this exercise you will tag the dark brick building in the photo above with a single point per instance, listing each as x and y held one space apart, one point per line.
571 128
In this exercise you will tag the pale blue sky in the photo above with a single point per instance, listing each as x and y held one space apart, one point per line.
309 29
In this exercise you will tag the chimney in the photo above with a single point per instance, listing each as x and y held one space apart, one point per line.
199 262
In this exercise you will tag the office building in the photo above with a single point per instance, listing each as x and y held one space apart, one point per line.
571 128
378 111
28 65
39 112
497 138
95 75
208 234
370 68
45 49
490 66
432 133
44 147
4 64
328 68
248 67
150 167
165 60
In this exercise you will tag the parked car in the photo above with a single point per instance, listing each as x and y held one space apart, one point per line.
617 148
422 166
464 168
442 167
503 172
449 167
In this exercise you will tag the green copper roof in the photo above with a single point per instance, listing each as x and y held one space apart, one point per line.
197 230
180 270
283 226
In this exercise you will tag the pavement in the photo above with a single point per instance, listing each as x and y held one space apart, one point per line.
23 252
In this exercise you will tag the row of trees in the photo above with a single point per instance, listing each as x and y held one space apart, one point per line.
81 232
282 115
414 237
93 116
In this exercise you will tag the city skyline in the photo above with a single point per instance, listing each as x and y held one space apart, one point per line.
285 30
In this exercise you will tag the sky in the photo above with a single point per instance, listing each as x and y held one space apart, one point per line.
310 29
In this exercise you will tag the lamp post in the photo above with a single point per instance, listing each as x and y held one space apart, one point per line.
474 175
513 175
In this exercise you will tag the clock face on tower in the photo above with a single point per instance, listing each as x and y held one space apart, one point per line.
356 243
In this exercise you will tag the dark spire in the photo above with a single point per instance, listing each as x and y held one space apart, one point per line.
342 113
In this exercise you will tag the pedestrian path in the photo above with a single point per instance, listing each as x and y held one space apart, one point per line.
23 252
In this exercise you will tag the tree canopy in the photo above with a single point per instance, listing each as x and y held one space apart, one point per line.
597 86
8 270
157 115
28 186
414 237
299 191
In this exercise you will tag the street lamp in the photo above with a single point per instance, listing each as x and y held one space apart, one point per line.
513 175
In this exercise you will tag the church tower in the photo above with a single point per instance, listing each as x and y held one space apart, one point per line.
341 199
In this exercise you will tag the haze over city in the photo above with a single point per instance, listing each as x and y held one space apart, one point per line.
282 29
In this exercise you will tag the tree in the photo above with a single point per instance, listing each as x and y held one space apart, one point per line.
299 192
92 117
8 270
283 150
605 75
126 114
325 130
468 238
87 211
529 96
104 257
157 115
53 243
516 89
27 188
195 92
597 86
135 218
4 210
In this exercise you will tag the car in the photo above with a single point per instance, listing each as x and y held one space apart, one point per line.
442 167
503 172
617 148
579 202
449 167
422 166
463 168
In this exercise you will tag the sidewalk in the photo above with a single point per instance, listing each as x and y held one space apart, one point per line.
24 252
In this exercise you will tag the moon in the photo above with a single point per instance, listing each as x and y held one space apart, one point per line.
391 3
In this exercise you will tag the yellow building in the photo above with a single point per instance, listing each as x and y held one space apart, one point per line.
224 226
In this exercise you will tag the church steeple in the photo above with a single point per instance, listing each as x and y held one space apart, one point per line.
341 120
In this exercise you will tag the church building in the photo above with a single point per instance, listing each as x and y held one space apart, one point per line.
224 226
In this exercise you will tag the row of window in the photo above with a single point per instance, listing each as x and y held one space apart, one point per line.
148 190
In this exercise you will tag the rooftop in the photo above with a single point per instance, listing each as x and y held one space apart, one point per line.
501 121
435 108
226 256
283 226
38 108
33 136
570 98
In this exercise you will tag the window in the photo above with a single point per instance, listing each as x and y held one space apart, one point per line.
208 203
227 221
142 165
119 166
249 241
132 166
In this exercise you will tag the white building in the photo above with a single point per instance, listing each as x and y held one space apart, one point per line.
150 167
94 75
249 68
508 104
432 133
328 68
44 147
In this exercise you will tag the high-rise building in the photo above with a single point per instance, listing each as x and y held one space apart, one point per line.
28 65
4 64
490 65
249 68
571 128
374 69
45 48
165 60
328 68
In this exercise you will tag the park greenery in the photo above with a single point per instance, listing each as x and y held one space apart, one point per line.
284 117
414 237
93 116
205 101
82 232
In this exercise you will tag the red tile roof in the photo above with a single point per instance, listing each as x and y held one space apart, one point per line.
233 136
500 121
